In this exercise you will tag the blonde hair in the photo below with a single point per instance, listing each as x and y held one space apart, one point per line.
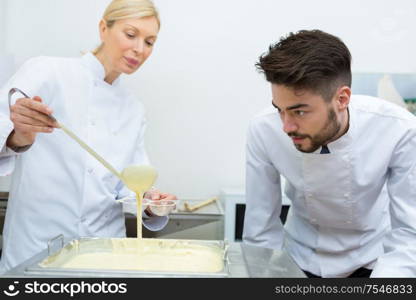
127 9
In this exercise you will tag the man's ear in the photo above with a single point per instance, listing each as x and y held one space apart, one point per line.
343 98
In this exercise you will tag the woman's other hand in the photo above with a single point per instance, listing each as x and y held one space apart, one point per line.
157 195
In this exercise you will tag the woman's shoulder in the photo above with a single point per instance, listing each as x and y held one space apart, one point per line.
50 60
50 63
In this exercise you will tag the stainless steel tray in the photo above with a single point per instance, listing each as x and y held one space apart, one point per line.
51 265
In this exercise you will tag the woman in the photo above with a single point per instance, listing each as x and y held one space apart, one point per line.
57 187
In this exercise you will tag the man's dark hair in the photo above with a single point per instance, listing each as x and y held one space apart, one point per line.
308 60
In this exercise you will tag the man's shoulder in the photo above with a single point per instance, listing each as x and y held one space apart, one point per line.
380 108
265 116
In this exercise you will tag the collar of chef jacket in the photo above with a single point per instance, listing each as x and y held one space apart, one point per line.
97 69
344 142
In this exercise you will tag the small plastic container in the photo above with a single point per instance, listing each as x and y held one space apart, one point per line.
161 207
156 207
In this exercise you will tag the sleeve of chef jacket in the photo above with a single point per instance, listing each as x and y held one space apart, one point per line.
399 259
153 223
262 224
31 78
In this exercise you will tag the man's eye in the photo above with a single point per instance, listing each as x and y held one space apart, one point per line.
300 112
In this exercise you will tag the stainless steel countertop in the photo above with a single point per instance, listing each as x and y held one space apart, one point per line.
244 261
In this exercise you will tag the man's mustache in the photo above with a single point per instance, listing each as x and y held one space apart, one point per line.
297 135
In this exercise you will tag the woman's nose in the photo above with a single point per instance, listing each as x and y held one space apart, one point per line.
139 47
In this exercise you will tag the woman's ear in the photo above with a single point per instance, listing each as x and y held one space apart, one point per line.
102 27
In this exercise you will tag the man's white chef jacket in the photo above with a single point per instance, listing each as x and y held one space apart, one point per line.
354 207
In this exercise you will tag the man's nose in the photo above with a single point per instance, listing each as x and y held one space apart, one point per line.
289 125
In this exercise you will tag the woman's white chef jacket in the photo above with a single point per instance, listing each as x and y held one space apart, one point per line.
354 207
57 187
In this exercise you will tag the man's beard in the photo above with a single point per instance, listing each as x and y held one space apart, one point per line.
329 131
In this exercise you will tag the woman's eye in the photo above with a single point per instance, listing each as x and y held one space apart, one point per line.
150 43
130 35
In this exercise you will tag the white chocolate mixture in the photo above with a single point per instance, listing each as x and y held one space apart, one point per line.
152 255
139 216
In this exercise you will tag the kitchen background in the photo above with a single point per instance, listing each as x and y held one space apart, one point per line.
200 86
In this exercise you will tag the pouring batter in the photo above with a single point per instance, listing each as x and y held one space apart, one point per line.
139 179
58 188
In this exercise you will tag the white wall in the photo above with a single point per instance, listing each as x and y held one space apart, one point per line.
200 86
6 60
2 25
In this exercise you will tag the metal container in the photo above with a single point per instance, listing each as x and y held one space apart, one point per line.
240 261
53 264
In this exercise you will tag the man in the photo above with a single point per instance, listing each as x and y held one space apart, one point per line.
349 163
